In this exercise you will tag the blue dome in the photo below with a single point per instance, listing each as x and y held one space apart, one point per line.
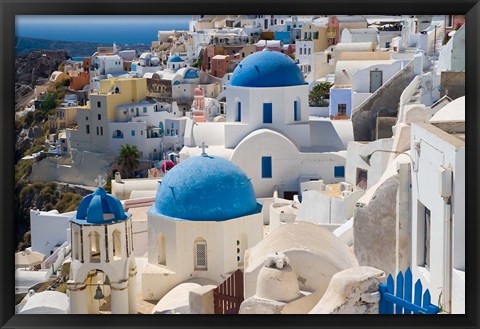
175 59
99 208
191 74
267 69
205 188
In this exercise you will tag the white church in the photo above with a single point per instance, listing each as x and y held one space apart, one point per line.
268 132
204 217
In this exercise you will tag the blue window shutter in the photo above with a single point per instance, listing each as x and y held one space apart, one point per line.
266 167
239 111
339 171
133 132
295 111
267 113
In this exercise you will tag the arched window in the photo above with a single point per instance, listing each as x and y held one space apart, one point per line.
94 242
76 245
297 110
117 134
116 244
161 249
238 113
117 90
200 254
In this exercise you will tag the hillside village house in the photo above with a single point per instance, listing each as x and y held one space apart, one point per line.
119 114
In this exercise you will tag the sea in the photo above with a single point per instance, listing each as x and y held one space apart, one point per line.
99 29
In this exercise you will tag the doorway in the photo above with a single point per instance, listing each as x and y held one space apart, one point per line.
376 80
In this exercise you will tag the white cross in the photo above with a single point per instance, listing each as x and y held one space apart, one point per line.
203 147
100 181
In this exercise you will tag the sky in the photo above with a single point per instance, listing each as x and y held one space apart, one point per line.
108 29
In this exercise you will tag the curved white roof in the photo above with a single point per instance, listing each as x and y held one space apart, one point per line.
454 111
46 302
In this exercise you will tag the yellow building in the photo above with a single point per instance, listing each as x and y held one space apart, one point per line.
92 133
317 33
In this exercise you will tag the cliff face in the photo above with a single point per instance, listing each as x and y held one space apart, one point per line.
37 65
34 69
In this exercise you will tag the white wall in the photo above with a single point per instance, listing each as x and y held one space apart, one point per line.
361 78
378 161
48 229
252 99
437 150
180 236
288 164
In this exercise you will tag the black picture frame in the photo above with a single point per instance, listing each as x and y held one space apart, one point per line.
10 8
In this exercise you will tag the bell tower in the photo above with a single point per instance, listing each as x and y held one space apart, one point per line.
103 267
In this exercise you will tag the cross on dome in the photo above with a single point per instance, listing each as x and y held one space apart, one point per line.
100 181
203 147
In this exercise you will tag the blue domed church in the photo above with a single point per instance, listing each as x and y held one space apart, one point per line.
204 217
268 131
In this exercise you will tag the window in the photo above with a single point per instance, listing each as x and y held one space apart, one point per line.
88 129
133 132
339 171
116 244
427 218
141 132
200 254
145 109
449 20
94 240
238 117
161 249
86 118
267 113
342 109
117 134
300 51
267 167
101 131
99 104
98 131
99 117
296 111
362 178
309 50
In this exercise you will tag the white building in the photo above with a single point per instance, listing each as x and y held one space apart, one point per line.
102 256
204 218
49 230
268 132
438 205
175 63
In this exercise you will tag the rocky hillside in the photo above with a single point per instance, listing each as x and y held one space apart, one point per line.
34 69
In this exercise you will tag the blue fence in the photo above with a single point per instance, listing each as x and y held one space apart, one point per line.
399 300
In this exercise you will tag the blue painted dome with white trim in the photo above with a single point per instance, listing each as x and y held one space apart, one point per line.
100 207
205 188
267 69
191 74
175 59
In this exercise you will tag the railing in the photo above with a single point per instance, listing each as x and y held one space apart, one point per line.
399 300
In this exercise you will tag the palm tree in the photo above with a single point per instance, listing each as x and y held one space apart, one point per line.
128 159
